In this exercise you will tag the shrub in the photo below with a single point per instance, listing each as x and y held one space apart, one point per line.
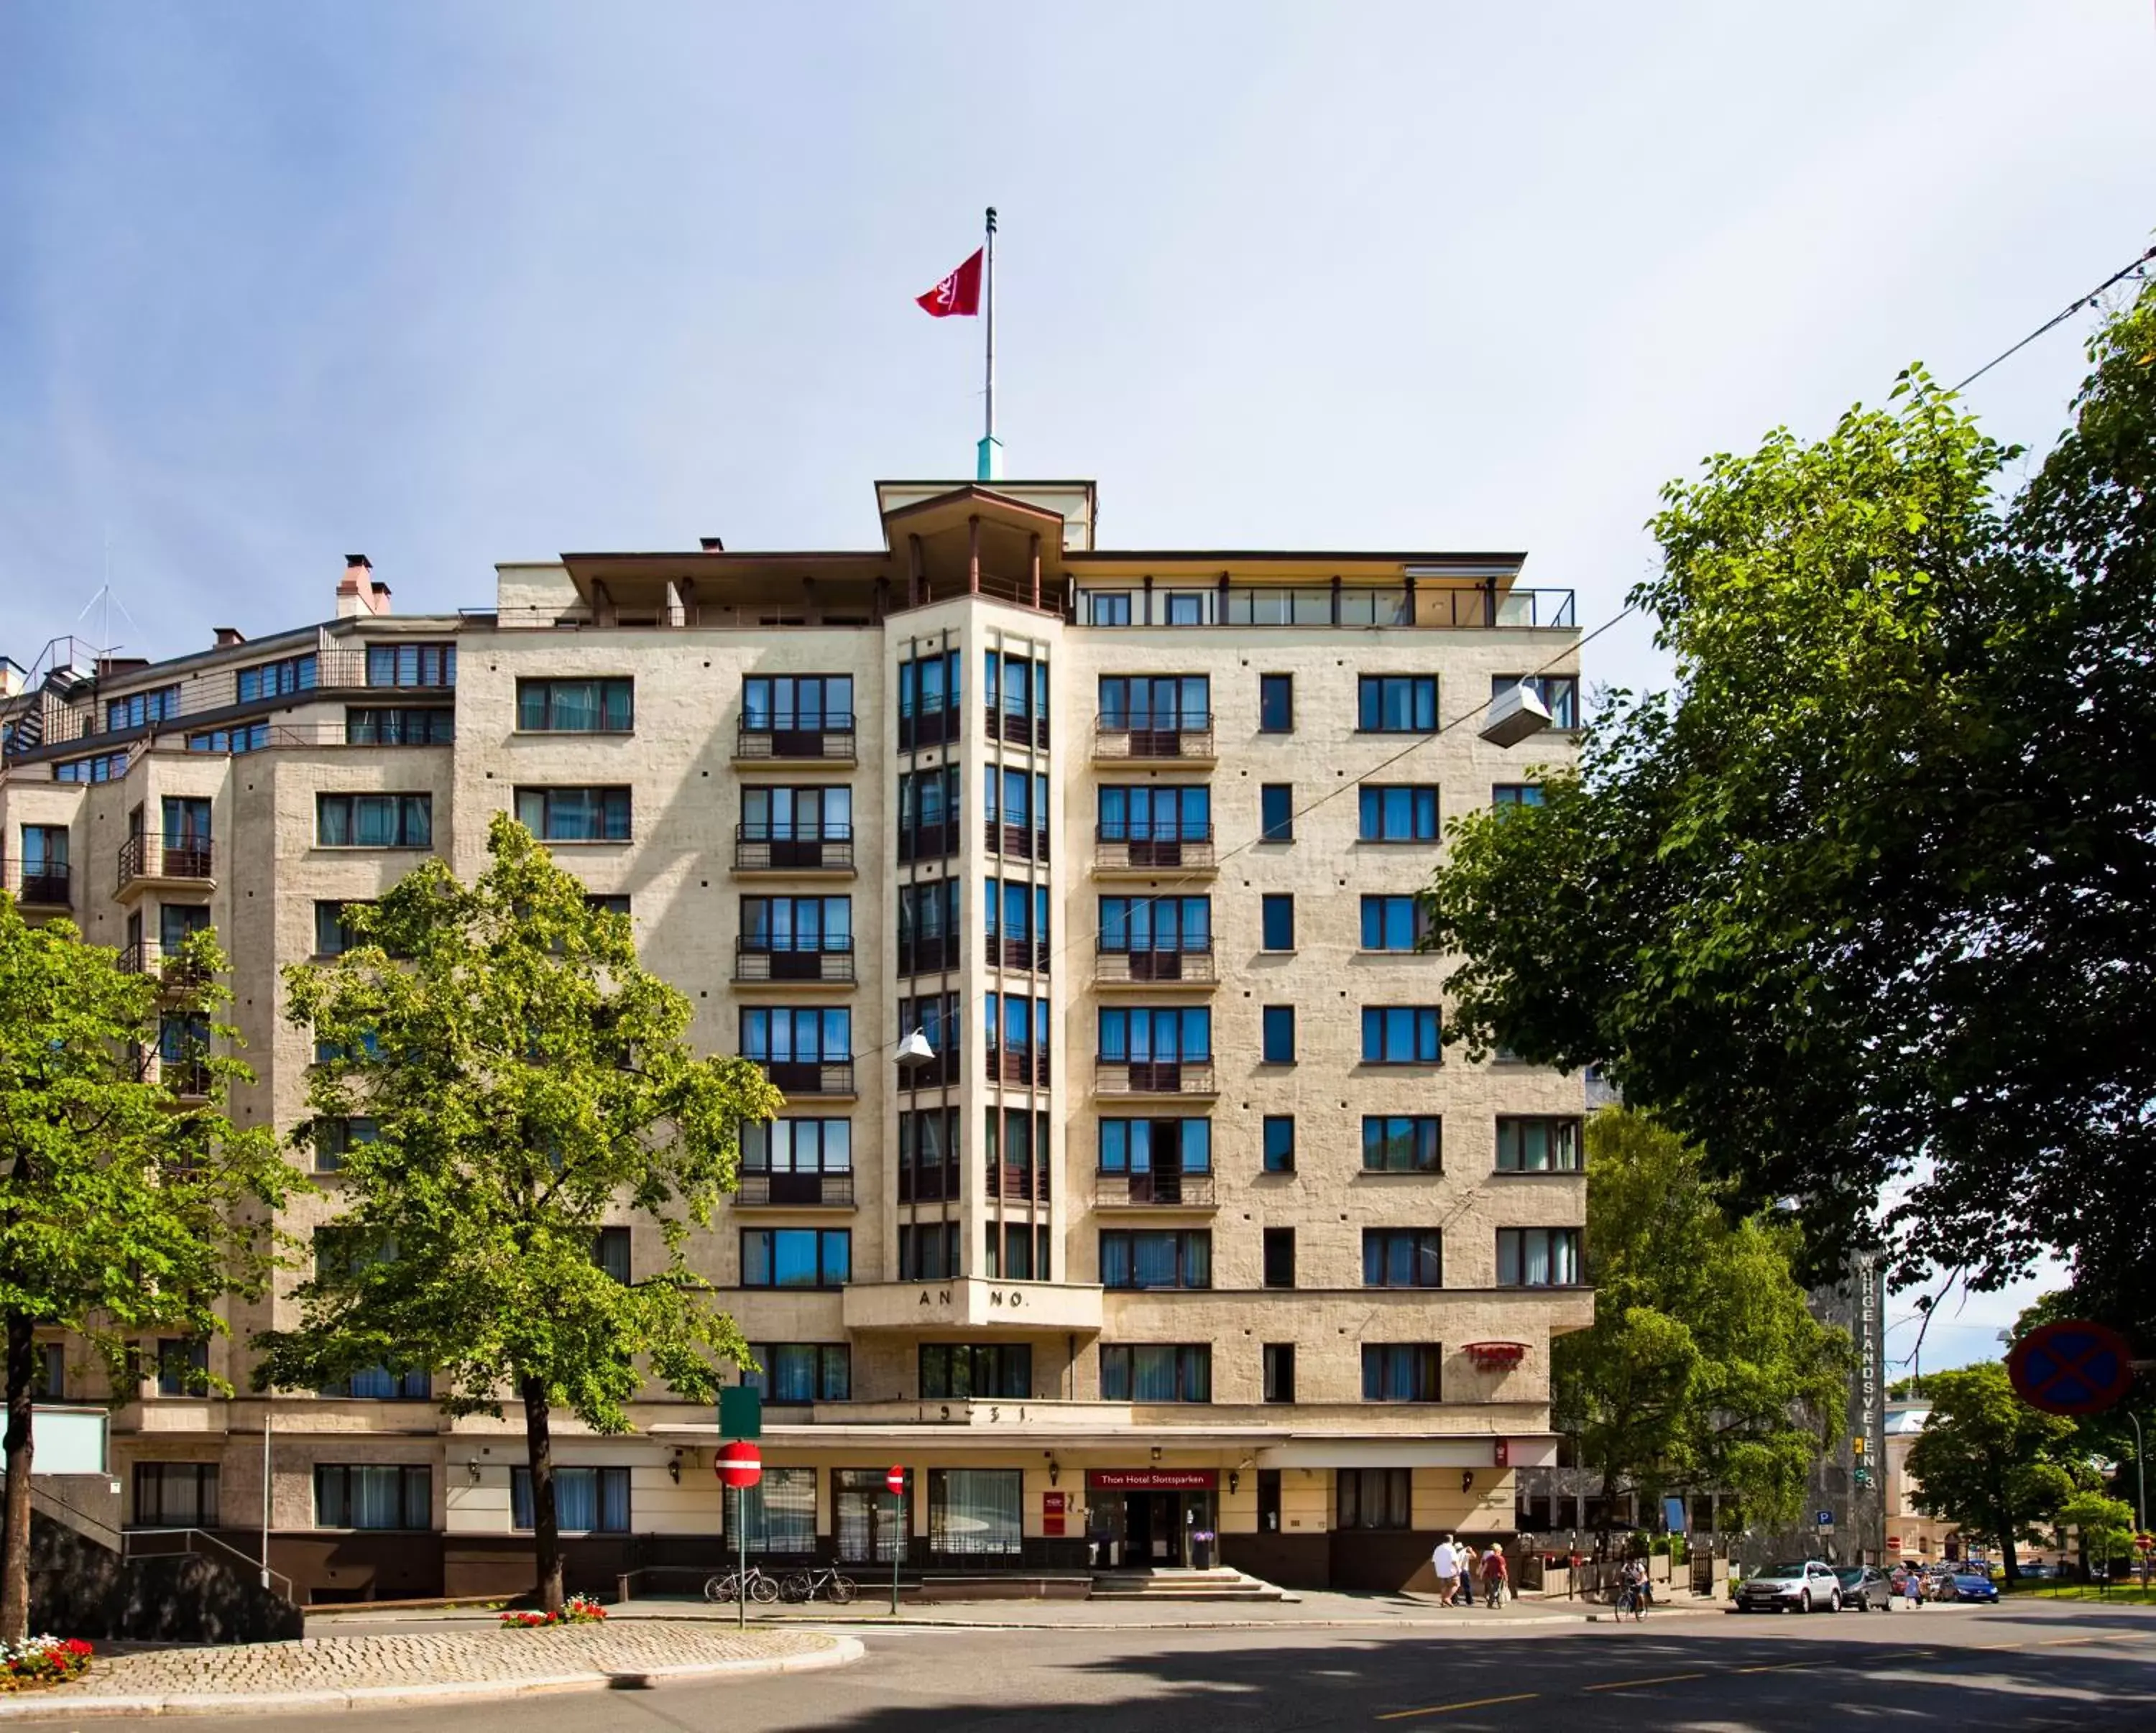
577 1610
42 1660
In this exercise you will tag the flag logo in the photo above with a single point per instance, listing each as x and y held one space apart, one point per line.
959 293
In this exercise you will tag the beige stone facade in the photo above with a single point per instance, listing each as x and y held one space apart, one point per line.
1064 1456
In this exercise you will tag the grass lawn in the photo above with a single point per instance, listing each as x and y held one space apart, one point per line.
2120 1593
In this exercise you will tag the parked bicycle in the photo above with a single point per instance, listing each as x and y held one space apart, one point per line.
802 1586
762 1586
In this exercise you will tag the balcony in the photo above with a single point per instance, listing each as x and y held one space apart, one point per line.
148 956
809 1077
1116 852
1031 955
927 953
1155 968
929 842
934 1184
830 964
767 743
1154 1077
765 1189
1014 842
1017 730
41 884
1164 1189
759 849
1018 1067
146 861
917 730
972 1302
1017 1184
1184 739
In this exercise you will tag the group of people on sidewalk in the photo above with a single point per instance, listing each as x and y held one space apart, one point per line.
1461 1571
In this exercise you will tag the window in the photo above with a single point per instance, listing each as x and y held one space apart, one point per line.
1396 704
1276 812
576 706
1155 923
1541 1145
799 1145
276 680
178 923
1401 1143
786 703
1185 608
1558 692
1279 1258
1276 918
1515 794
1537 1257
372 727
1018 688
868 1522
607 904
378 1383
52 1380
139 710
1017 912
976 1512
798 815
928 700
1156 1371
374 821
1400 1035
1400 1371
1141 814
105 767
797 923
799 1372
610 1252
183 1365
1277 1040
183 1050
411 664
1107 607
45 859
779 1513
1275 704
1280 1143
1157 1257
941 1017
1280 1371
1144 1034
1372 1498
1398 812
575 815
333 933
928 1252
1168 1146
960 1371
332 1140
1013 1250
176 1495
796 1257
776 1034
246 737
1018 1038
928 927
928 1155
1015 805
586 1501
1156 703
1393 923
1402 1258
928 813
185 821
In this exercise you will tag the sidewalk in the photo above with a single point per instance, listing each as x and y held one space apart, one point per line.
468 1661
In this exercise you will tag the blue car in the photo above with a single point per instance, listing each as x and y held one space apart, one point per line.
1967 1586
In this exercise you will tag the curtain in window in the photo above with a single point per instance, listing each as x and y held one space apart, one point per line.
377 1497
975 1511
780 1511
1155 1259
1153 1374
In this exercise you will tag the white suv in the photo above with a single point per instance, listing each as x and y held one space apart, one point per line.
1809 1587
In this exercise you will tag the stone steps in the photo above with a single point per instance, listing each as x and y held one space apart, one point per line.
1219 1584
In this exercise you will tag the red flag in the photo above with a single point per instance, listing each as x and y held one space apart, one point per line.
958 293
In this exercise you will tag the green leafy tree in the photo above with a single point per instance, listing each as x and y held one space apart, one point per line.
1988 1461
1704 1367
127 1209
2104 1527
1869 898
529 1080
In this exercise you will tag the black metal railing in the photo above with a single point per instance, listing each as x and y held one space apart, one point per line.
1018 730
1014 842
151 956
927 728
832 741
41 884
1018 1181
1114 847
827 1190
929 842
927 953
931 1184
1019 1066
832 960
768 848
1185 965
1164 1188
1031 954
810 1077
936 1074
1154 1077
1189 736
149 857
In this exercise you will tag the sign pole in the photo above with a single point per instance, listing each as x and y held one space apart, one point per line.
896 1481
741 1538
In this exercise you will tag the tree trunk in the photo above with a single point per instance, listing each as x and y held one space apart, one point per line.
21 1448
546 1535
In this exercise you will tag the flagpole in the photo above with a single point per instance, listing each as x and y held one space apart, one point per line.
989 467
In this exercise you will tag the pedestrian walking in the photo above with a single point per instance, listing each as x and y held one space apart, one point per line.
1494 1574
1445 1561
1470 1564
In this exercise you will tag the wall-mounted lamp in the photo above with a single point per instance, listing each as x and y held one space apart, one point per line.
1234 1480
471 1467
1156 1452
674 1467
1055 1471
1467 1480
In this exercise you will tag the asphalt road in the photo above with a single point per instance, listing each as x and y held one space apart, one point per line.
2079 1665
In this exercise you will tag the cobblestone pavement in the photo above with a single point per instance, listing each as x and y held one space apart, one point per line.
435 1657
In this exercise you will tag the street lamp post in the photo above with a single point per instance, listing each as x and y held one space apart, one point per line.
2140 1478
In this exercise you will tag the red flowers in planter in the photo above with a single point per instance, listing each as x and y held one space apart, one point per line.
577 1610
41 1661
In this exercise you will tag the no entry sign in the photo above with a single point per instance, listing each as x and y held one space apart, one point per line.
896 1481
2070 1367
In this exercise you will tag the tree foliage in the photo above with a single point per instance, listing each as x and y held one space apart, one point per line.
2102 1526
1990 1462
529 1082
128 1209
1866 904
1704 1367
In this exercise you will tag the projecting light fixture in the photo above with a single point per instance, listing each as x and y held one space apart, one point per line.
1514 714
915 1051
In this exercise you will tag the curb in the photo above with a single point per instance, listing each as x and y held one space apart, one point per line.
46 1705
1236 1624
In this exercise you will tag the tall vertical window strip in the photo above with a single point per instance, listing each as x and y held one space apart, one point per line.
567 707
1277 921
928 927
1018 687
374 821
927 686
1280 1371
1280 1143
1276 1044
1401 1035
1538 1144
1402 1258
1537 1257
928 813
1157 1371
1275 703
1279 1257
411 664
1397 812
139 710
1276 812
1396 704
275 680
928 1252
1401 1143
575 815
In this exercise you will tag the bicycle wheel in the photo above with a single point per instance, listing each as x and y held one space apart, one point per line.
762 1588
721 1588
797 1586
842 1589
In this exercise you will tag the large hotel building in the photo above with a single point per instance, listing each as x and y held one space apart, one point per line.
1189 1243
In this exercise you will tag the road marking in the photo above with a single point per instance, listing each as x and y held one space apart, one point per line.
1782 1667
1634 1685
1402 1715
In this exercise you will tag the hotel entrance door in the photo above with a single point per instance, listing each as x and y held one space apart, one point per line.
1151 1519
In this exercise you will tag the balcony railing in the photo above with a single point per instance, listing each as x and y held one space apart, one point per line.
40 883
927 1185
1018 730
936 1074
150 956
927 728
927 953
761 848
810 1077
1154 1077
832 741
1014 842
189 1078
1172 738
1138 966
1017 1182
1032 954
1164 1189
764 1188
1020 1067
832 961
929 842
1115 848
149 857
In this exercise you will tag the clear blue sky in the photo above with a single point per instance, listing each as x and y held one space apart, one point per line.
454 283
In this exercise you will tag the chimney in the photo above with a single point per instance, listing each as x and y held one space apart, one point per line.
357 593
228 637
712 545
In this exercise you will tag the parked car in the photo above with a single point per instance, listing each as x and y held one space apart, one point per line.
1970 1588
1810 1586
1864 1586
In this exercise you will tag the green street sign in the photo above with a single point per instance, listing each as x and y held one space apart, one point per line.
741 1413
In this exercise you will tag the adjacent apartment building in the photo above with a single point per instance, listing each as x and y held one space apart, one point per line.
1187 1242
